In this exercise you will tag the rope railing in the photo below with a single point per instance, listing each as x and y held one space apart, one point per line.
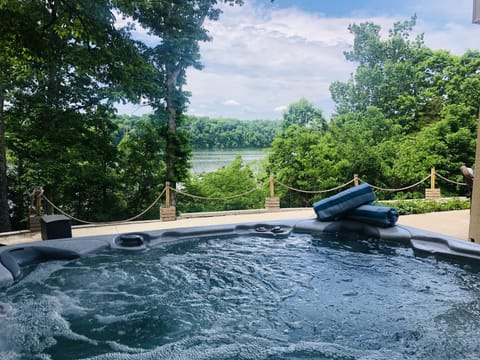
38 195
451 181
105 222
399 189
373 186
314 191
216 198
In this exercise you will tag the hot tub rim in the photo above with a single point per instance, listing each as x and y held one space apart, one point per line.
14 257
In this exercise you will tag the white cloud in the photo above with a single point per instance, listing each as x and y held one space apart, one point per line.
231 102
280 108
265 57
455 37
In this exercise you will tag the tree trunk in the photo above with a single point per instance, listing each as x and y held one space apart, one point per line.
5 224
170 157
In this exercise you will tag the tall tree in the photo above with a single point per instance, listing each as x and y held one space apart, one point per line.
15 25
408 82
386 76
4 208
179 26
141 165
405 109
303 113
77 63
295 158
5 224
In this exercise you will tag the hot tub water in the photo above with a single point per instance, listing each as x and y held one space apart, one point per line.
300 297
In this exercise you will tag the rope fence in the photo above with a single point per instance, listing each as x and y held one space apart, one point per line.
216 198
315 192
271 202
451 181
399 189
103 223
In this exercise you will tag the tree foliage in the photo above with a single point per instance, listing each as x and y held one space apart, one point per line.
179 27
208 133
293 157
224 185
406 109
304 114
141 166
64 66
66 75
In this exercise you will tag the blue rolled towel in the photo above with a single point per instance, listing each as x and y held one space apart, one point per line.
338 205
377 215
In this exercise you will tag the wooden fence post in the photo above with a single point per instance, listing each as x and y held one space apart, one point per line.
272 187
168 213
355 179
167 194
272 202
432 193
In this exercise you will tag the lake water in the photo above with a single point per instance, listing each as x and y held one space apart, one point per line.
204 161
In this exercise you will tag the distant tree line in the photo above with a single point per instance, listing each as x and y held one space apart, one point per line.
218 133
206 133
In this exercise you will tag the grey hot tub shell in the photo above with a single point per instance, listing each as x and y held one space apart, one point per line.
14 258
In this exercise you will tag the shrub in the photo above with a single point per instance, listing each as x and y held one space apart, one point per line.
408 207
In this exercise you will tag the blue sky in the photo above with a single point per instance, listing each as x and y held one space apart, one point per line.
265 56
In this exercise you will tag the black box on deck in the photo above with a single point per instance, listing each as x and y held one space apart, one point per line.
55 227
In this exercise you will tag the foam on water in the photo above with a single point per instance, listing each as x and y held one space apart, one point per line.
245 298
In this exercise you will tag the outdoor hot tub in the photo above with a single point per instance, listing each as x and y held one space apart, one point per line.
300 289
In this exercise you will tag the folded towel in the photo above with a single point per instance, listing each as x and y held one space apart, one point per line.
336 206
377 215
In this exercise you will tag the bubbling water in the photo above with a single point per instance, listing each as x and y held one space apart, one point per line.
245 297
